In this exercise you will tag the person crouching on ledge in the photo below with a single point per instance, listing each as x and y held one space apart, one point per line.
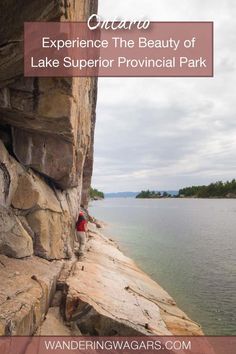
81 229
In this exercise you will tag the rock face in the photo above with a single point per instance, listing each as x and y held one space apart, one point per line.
88 164
53 324
28 289
15 240
35 218
46 140
10 170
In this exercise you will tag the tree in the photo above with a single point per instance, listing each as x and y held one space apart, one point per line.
95 194
149 194
218 189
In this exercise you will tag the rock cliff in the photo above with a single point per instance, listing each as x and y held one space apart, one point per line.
46 153
46 160
46 139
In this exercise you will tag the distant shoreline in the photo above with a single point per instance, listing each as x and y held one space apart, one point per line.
176 197
160 198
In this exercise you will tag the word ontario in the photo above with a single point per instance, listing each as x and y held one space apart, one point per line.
95 22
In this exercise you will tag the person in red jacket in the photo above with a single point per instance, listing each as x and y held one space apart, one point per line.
81 229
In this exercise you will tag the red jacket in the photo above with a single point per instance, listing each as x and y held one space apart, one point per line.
81 225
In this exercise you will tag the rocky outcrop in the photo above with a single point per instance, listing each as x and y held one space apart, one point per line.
107 294
10 170
15 241
29 286
47 126
54 120
88 164
46 153
15 13
54 117
35 218
53 325
104 293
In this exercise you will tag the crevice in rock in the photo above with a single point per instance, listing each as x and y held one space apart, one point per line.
6 137
3 45
3 264
35 93
158 302
66 5
6 179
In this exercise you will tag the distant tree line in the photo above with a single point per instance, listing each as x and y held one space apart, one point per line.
95 194
219 189
152 194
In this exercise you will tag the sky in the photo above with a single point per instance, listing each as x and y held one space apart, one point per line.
168 133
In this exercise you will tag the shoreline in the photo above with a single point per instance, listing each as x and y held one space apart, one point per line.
121 284
103 225
179 244
207 198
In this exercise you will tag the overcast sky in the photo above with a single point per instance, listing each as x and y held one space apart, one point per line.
166 133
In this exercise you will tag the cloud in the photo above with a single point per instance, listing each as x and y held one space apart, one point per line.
165 133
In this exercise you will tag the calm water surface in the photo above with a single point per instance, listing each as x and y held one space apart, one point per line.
187 245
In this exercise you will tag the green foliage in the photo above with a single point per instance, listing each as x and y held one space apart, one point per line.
165 195
218 190
152 194
95 194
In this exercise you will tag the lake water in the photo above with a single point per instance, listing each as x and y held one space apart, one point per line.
187 245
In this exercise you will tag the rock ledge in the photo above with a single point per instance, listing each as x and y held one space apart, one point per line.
107 294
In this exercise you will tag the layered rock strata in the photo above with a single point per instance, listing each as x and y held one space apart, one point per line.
46 140
46 156
29 286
